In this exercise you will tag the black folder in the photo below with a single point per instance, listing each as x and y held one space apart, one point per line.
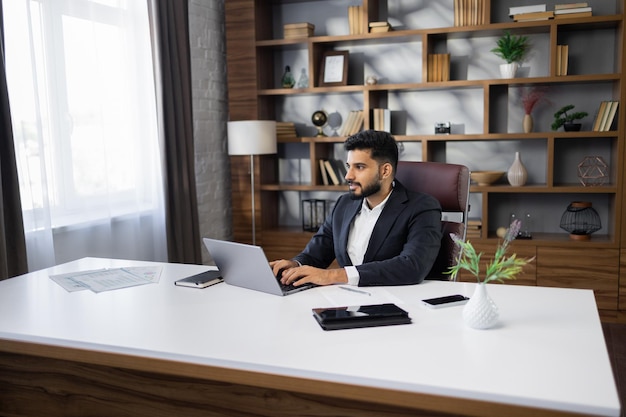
350 317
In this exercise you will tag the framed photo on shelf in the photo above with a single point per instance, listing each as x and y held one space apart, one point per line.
334 70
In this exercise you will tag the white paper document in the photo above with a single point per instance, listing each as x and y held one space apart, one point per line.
100 280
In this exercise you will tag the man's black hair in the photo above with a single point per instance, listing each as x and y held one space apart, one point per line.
382 145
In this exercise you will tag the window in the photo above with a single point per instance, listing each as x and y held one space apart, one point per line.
82 96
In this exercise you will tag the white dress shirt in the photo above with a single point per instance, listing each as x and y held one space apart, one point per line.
359 237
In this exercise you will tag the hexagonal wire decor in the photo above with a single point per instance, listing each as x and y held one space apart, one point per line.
593 171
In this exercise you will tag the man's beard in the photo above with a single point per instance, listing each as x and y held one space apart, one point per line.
367 191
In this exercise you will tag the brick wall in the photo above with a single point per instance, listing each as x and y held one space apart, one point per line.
210 108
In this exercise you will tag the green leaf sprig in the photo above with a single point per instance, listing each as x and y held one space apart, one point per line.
501 268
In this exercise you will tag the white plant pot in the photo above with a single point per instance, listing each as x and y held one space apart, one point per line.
508 70
480 312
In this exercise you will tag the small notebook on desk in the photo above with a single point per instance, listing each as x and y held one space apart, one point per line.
336 318
201 280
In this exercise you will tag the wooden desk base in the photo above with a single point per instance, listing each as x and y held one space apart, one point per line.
73 382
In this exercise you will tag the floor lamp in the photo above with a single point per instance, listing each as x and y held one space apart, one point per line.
252 137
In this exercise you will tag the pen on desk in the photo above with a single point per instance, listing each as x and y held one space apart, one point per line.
353 290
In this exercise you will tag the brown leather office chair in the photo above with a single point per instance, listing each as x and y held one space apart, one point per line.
448 183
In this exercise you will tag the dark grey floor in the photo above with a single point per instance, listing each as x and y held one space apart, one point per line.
615 335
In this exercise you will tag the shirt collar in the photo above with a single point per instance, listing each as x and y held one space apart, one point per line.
379 207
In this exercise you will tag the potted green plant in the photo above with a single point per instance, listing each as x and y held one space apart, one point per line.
481 312
512 49
565 119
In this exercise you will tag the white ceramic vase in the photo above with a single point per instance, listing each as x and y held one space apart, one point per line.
517 173
508 70
480 312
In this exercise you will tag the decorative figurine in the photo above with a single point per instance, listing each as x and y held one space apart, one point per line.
287 81
320 119
303 81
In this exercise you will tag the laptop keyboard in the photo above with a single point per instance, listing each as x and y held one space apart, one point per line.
290 287
285 287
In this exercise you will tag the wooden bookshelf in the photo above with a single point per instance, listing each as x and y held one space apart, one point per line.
254 53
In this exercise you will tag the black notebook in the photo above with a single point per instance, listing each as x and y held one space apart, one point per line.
335 318
202 280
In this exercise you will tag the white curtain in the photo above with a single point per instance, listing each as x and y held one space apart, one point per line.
82 96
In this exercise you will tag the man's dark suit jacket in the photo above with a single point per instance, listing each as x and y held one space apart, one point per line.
404 243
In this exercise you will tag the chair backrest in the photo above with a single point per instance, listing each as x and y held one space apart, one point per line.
448 183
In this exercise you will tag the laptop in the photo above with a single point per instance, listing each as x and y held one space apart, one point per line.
247 266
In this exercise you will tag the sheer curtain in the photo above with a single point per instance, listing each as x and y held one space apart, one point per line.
82 95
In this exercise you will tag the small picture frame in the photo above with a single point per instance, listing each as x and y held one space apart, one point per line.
334 69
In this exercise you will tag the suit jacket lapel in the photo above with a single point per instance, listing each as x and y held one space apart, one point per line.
353 207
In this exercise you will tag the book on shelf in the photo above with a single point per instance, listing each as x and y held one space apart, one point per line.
469 12
472 234
527 17
382 119
438 67
353 123
378 27
332 175
562 59
573 15
324 173
598 120
298 30
570 5
611 117
473 228
286 132
340 170
355 20
334 170
532 8
605 116
573 11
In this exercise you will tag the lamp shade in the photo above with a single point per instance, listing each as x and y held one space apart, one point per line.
252 137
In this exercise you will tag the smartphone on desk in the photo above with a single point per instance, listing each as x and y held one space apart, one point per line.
446 301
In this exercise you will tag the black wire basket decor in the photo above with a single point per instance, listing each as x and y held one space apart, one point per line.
580 220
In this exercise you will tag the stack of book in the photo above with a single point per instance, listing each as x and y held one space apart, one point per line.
605 116
474 227
562 52
469 12
382 119
286 132
569 10
333 171
376 27
298 30
353 123
438 67
355 20
530 12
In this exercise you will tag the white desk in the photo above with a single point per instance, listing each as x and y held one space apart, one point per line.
237 350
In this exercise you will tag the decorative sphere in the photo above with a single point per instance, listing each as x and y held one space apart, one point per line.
371 80
319 118
501 232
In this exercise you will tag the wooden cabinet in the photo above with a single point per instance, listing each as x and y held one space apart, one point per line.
589 268
484 111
